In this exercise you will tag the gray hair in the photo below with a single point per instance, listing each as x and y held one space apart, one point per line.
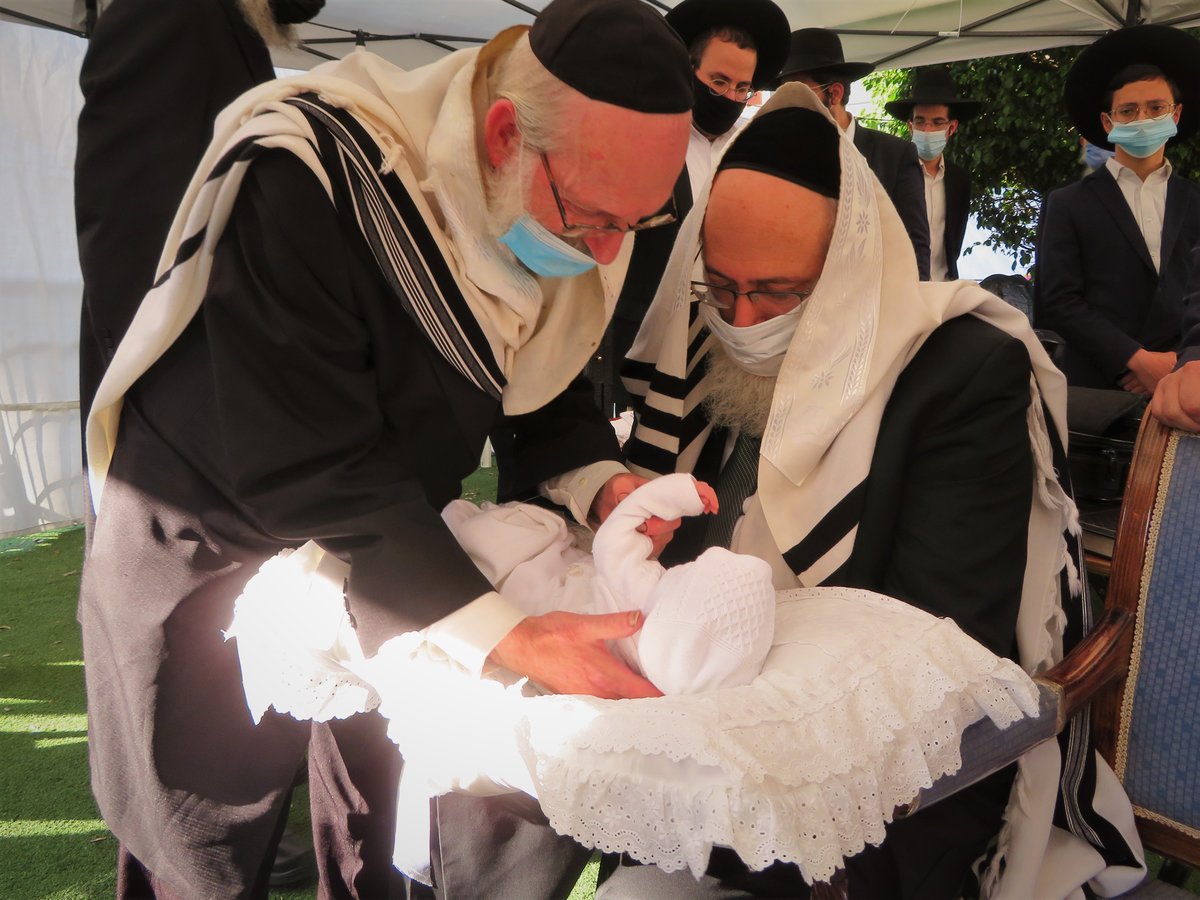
543 103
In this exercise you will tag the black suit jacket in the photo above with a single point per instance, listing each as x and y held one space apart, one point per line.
154 78
1097 286
1189 347
958 208
895 163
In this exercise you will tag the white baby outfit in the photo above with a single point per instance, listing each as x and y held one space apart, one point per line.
708 624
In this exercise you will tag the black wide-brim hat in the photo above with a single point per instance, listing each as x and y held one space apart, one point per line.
1172 50
819 49
765 22
934 87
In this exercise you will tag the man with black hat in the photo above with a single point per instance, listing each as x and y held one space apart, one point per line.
736 48
370 270
863 429
1113 258
817 60
933 111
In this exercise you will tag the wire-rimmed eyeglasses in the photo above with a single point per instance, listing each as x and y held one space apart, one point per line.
724 298
581 230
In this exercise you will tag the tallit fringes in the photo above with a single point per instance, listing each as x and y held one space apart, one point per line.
393 153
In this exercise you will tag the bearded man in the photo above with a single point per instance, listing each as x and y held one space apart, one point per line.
867 430
369 269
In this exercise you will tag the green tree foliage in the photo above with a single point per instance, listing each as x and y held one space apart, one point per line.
1021 146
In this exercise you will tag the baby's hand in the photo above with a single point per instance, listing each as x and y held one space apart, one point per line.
708 496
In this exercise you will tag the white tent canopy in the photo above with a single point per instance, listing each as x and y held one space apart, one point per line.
890 32
40 470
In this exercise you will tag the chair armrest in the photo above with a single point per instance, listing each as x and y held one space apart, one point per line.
1100 659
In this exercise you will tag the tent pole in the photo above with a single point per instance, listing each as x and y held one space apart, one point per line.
1133 12
42 23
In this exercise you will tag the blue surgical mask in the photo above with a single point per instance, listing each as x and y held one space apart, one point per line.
930 144
1143 137
543 252
1094 157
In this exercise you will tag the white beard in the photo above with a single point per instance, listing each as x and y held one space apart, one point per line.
736 398
506 189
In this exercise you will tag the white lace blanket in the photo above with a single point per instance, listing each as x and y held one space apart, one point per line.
860 705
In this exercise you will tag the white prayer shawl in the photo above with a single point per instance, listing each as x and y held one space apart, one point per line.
864 322
539 332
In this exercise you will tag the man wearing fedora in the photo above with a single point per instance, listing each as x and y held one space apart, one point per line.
817 60
933 111
736 48
1114 253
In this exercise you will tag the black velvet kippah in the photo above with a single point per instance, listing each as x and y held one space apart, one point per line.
795 144
618 51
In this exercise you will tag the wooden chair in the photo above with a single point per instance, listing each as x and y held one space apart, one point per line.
1139 667
1148 725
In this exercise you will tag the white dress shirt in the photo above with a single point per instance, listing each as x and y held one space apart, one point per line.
1147 200
935 208
703 153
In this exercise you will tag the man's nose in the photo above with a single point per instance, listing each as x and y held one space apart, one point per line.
604 247
745 313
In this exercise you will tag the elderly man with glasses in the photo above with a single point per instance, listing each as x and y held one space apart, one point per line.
372 269
1114 254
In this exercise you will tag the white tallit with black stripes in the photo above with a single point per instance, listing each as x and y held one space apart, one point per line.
865 320
395 152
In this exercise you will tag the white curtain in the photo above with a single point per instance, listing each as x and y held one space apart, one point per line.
41 479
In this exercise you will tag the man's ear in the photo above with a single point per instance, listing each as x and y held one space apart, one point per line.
501 133
1105 122
837 94
1178 110
952 127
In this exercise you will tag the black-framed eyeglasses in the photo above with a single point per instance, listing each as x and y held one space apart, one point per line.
721 87
724 298
1127 112
581 230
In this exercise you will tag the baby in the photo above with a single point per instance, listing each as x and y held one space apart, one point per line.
707 624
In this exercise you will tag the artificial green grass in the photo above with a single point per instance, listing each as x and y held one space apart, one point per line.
52 841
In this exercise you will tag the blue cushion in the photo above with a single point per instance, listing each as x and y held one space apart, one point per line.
1162 765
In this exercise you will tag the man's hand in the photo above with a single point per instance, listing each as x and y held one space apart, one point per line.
1146 369
616 489
1176 402
565 653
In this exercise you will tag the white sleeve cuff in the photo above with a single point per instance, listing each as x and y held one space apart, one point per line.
578 488
469 634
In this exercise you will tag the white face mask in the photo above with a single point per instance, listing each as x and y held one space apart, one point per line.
759 349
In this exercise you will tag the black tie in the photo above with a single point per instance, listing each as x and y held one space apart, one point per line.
737 481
